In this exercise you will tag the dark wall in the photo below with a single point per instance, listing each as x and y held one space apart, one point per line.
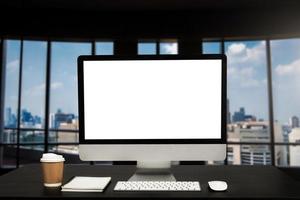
138 19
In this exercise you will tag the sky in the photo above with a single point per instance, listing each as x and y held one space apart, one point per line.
247 81
247 76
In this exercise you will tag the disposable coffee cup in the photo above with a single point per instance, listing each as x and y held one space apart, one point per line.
53 169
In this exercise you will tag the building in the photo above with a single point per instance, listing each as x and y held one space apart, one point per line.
294 122
240 116
52 120
257 154
233 151
10 118
7 116
62 118
294 137
64 136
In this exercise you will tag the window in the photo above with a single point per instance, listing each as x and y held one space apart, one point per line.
285 56
211 47
247 103
168 47
153 47
33 89
147 48
12 67
248 123
105 48
63 116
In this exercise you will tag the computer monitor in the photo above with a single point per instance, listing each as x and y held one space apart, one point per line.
152 109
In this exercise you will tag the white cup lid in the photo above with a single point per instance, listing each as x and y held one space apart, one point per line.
52 157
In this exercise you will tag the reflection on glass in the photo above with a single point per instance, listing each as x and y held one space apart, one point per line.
104 48
211 47
9 155
61 136
146 48
12 66
31 136
30 154
285 55
64 95
9 136
168 47
65 149
33 84
247 104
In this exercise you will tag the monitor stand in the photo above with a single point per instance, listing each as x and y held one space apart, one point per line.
153 171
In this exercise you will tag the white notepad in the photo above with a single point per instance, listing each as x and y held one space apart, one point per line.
86 184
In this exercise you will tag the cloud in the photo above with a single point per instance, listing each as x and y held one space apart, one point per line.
244 64
244 77
292 68
170 48
13 66
236 48
40 89
56 85
239 53
35 90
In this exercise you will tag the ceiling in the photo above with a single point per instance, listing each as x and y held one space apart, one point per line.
150 18
140 5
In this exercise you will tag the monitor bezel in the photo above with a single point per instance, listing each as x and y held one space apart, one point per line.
80 75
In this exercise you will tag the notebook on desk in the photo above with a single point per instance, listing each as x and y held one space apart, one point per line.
86 184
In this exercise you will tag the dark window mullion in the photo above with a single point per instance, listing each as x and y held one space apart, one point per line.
222 44
93 48
2 88
19 105
270 98
157 47
47 95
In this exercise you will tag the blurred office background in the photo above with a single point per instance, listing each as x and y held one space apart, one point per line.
39 50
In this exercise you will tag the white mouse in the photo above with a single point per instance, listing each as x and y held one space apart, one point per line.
218 185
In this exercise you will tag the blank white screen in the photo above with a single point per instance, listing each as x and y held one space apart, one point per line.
152 99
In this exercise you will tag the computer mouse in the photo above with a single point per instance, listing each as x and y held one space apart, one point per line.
217 185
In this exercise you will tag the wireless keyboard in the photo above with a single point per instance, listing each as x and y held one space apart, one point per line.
157 186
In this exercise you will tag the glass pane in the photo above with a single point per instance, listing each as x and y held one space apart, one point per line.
146 48
283 155
12 66
63 136
255 155
64 94
31 154
9 136
247 102
104 48
9 156
33 89
168 47
285 55
31 136
211 47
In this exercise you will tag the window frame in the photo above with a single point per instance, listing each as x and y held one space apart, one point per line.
46 128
